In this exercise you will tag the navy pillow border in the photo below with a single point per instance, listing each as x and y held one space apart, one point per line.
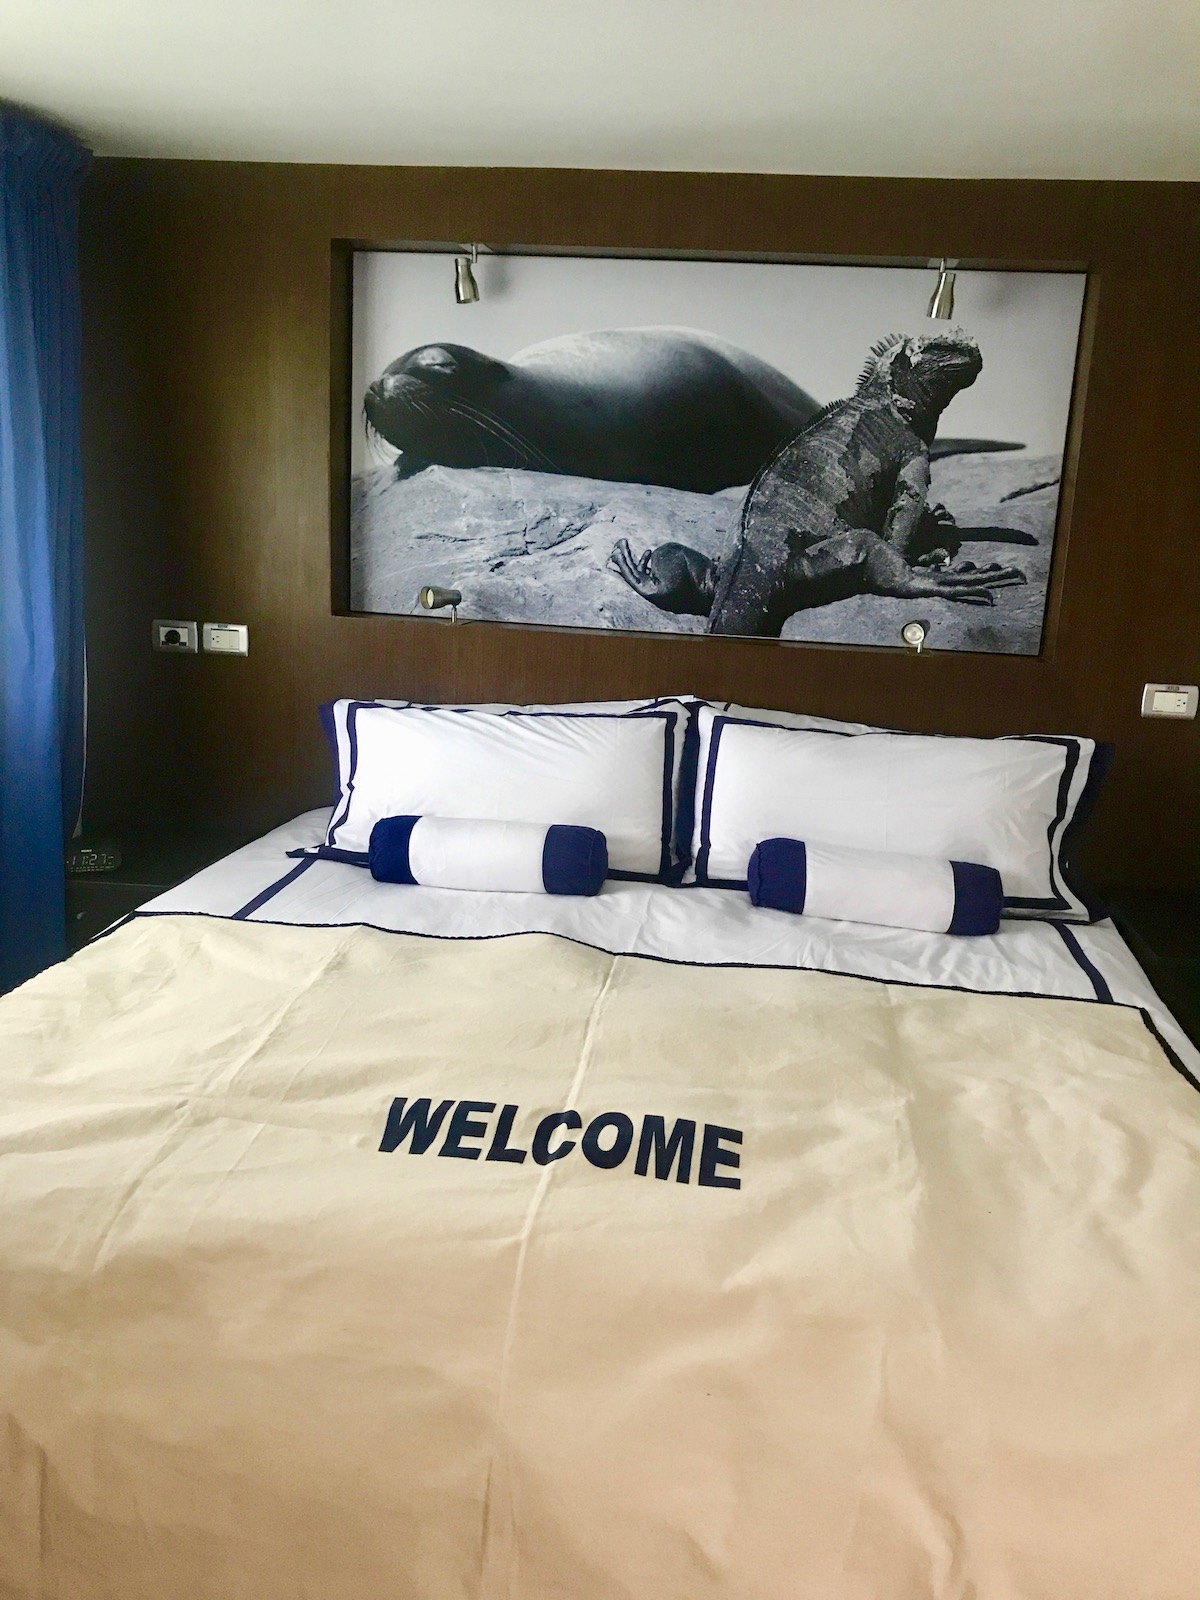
1103 756
1045 906
671 862
325 716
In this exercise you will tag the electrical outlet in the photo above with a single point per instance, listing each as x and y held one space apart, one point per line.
1170 700
227 638
178 638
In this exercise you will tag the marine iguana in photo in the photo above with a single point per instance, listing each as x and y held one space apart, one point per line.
840 509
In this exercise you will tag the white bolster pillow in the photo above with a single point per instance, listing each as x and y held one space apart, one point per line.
470 853
893 891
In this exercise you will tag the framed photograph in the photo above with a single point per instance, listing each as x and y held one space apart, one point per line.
757 448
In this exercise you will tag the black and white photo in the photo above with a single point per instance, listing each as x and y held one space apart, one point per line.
753 448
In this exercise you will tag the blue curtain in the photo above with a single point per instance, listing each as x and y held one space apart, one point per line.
41 537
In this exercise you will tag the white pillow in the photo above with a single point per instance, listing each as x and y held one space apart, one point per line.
683 751
793 719
598 769
701 729
1006 803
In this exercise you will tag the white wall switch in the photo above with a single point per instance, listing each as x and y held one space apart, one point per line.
227 638
176 637
1170 700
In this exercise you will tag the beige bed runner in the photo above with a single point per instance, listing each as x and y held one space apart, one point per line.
668 1283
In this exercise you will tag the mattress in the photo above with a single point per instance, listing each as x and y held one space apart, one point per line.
361 1239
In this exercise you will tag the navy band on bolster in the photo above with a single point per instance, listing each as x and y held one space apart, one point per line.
574 859
777 876
978 898
388 853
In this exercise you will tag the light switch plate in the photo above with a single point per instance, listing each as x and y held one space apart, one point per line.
177 638
1170 700
227 638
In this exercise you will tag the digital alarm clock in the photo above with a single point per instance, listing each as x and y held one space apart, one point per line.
85 855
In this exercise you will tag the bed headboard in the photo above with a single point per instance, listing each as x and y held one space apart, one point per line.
213 321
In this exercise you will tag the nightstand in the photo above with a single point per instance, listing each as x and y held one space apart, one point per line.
1162 928
95 900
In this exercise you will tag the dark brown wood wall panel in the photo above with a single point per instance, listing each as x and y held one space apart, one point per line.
229 292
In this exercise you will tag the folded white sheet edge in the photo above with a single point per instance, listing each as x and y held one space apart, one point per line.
694 925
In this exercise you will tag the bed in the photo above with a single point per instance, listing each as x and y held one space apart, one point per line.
364 1238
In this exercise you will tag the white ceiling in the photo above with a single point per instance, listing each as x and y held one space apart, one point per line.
988 88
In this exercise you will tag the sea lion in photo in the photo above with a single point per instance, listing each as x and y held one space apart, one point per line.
668 406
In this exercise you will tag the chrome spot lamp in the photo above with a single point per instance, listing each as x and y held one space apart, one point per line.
941 301
431 598
466 290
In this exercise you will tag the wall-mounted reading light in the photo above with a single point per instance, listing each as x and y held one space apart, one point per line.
431 598
466 290
914 635
941 301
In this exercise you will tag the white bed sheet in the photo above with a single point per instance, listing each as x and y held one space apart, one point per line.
259 883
